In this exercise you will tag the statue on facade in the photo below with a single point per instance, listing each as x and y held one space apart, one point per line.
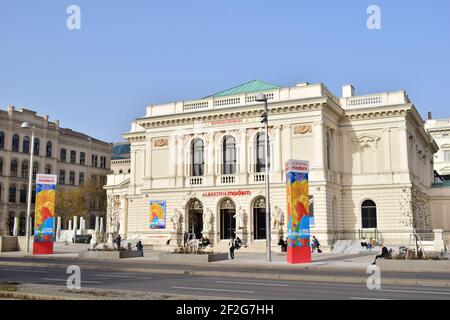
208 221
240 219
176 220
277 219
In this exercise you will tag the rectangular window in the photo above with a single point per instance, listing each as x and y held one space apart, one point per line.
94 161
73 156
447 155
63 155
81 179
82 158
62 177
72 178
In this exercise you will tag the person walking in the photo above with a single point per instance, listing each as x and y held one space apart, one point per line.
140 247
315 245
118 241
232 246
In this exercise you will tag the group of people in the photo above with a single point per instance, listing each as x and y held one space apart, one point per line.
368 244
204 242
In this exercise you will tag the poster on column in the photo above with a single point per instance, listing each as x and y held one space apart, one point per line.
44 214
298 218
157 214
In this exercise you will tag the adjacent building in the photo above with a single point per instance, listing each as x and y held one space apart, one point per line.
439 129
371 162
73 156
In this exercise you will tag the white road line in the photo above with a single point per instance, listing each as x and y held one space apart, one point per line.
120 276
27 271
255 283
413 291
65 280
209 289
362 298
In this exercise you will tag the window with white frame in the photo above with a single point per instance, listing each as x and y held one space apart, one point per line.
447 155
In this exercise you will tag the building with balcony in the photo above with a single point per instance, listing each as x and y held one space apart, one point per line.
371 166
73 156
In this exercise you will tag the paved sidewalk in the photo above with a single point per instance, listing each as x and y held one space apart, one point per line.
242 259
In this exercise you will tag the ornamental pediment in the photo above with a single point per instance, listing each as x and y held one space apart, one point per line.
367 139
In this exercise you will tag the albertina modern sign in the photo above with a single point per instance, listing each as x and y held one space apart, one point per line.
297 197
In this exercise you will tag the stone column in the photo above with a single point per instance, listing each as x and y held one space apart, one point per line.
243 157
97 222
101 228
180 161
58 228
318 164
403 143
70 225
16 227
277 154
75 225
172 160
82 221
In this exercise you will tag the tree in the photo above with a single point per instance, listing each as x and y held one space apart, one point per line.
81 201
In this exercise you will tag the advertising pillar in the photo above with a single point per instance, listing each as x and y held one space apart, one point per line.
297 198
44 214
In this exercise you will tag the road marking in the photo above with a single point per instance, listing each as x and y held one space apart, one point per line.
121 276
208 289
65 280
413 291
27 271
255 283
362 298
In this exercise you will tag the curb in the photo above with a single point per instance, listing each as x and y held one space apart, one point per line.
31 296
262 276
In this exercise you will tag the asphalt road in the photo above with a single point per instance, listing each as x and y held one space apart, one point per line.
240 288
147 265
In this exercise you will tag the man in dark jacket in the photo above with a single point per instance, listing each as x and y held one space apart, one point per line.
384 254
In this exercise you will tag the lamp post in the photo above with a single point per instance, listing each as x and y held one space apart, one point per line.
27 125
265 119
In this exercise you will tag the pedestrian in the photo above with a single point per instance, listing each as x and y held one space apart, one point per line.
238 243
364 243
140 247
118 241
232 246
315 245
384 254
282 244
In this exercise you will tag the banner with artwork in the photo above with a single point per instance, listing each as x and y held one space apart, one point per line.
44 226
297 198
157 214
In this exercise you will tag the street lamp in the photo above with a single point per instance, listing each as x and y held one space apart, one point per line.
265 119
28 125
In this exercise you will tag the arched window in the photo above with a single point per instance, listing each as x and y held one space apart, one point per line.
260 152
198 159
62 155
22 224
229 155
48 150
227 219
259 218
11 216
35 169
2 140
1 167
24 170
37 146
15 143
13 171
12 193
26 145
23 194
48 169
369 215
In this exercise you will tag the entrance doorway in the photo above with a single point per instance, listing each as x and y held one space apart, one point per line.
227 220
195 214
259 219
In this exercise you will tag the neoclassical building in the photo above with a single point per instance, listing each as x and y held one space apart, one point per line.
371 166
440 131
73 156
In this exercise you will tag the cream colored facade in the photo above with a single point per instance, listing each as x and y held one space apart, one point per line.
52 140
367 153
440 131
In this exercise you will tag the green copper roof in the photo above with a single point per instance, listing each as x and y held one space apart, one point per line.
249 87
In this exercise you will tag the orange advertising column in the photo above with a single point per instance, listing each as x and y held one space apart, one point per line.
44 214
297 198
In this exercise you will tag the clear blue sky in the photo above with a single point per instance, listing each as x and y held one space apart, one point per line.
132 53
